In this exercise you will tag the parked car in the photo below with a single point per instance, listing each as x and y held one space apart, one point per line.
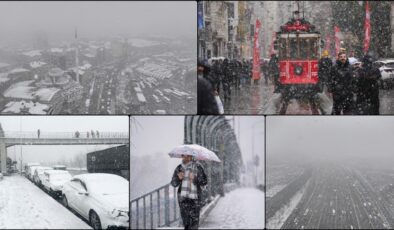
386 68
38 176
101 198
54 180
30 172
28 165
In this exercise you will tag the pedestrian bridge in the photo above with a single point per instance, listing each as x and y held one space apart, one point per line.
63 138
11 138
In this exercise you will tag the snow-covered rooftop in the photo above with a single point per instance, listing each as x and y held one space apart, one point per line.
37 64
19 70
32 53
16 106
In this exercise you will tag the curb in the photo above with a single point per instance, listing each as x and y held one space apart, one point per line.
207 209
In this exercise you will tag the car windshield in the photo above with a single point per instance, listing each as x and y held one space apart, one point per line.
108 185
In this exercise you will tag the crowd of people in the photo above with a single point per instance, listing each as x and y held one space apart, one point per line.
352 84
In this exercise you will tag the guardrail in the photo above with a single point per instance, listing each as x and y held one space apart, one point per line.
155 209
66 135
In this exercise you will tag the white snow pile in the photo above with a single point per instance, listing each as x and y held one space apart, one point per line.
23 205
240 209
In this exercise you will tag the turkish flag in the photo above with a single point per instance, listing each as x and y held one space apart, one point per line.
367 27
337 41
256 52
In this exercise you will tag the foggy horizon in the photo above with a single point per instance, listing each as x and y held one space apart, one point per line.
97 19
330 139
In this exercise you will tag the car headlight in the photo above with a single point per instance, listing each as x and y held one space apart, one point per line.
118 213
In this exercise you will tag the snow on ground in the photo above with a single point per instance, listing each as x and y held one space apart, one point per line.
16 106
46 94
281 216
241 208
20 90
23 205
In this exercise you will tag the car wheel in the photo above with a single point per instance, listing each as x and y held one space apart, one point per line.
94 220
65 201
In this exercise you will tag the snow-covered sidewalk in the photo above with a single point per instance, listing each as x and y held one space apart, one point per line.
241 208
23 205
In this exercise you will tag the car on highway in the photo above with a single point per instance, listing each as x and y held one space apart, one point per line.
386 67
30 171
38 176
54 180
100 198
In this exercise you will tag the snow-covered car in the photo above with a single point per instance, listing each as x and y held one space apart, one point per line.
54 180
101 198
30 171
38 175
386 68
59 167
1 176
27 168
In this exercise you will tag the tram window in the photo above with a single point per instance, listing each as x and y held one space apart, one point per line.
314 48
282 49
304 48
293 48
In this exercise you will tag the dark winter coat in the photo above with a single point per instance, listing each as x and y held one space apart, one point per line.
341 82
199 180
325 65
206 103
368 89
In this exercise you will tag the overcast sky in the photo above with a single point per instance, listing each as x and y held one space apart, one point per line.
59 124
100 17
330 138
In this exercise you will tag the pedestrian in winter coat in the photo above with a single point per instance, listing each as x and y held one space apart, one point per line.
341 86
325 65
368 88
273 67
38 133
228 74
189 177
206 102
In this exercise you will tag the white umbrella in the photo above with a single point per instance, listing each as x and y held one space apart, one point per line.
197 151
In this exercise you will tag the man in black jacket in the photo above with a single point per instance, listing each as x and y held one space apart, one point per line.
367 87
341 86
189 176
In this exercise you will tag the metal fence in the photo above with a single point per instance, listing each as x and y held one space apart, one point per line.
66 135
155 209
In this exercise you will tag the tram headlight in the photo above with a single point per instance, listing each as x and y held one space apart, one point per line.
298 70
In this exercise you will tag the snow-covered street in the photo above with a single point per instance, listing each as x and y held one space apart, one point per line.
24 205
240 208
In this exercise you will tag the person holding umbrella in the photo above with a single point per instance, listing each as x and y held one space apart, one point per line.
189 176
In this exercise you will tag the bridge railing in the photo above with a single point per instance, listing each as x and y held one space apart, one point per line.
157 208
65 135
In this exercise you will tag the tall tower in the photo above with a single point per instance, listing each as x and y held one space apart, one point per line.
77 54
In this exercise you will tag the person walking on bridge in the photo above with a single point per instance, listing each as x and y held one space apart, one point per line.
38 133
189 176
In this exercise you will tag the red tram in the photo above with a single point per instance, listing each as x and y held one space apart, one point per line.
299 47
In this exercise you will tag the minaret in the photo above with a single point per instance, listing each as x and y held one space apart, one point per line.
77 54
